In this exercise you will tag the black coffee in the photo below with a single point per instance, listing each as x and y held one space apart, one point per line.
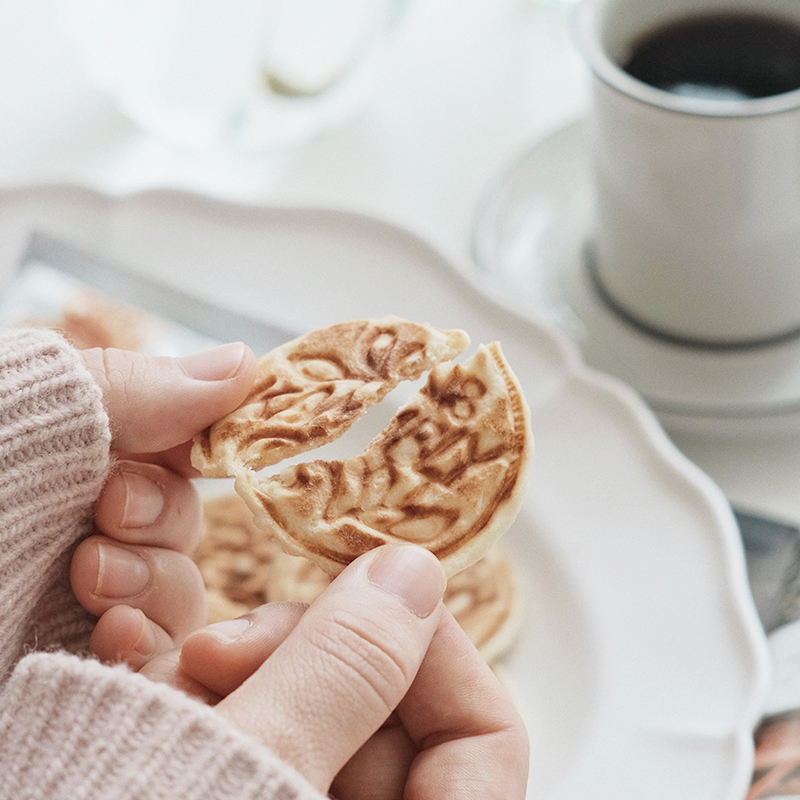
726 55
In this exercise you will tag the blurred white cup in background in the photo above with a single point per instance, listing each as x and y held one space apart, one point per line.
249 74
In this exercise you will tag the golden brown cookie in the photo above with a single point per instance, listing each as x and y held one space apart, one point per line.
449 473
296 578
486 601
311 390
234 558
484 598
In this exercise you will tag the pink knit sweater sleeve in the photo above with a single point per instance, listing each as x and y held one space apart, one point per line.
70 726
54 442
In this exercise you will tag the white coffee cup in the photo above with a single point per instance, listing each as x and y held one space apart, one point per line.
697 231
244 74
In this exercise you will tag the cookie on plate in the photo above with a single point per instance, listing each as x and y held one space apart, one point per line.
241 574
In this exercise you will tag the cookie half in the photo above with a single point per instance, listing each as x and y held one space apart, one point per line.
309 391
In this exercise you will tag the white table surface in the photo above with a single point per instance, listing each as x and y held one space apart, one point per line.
471 84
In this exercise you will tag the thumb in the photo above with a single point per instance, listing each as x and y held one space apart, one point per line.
347 664
155 402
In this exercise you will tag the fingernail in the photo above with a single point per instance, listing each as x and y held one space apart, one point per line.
121 572
229 630
146 643
411 573
144 501
216 363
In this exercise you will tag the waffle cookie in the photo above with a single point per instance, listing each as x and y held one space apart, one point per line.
309 391
448 472
241 571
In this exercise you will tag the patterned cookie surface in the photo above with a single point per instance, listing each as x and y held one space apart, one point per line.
310 391
234 558
448 473
484 598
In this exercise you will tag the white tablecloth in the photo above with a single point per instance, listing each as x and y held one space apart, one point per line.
471 84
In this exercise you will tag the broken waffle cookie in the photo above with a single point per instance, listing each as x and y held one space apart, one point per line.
242 570
448 472
311 390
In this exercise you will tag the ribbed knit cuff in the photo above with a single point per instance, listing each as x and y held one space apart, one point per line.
53 431
75 728
54 457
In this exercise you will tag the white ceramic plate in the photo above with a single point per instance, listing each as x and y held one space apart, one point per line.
530 235
641 666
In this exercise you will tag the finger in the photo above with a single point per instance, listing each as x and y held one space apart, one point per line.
125 635
472 740
458 710
165 585
165 668
223 655
147 504
155 403
380 768
347 664
176 459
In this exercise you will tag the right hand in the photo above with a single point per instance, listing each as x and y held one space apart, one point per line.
374 691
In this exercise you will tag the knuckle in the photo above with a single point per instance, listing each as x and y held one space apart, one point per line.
118 368
122 373
366 654
179 593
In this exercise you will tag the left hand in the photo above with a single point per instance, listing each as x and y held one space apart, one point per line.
136 574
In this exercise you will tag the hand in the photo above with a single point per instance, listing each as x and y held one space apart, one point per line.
136 574
374 691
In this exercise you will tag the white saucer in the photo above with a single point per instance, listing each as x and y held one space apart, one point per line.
530 238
